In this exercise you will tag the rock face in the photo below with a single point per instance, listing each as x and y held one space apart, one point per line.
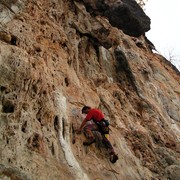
125 15
55 57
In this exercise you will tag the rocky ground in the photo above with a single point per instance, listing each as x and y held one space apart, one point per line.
57 56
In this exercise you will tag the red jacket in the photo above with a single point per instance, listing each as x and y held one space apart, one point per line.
94 114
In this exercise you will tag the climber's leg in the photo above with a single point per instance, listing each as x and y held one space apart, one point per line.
89 134
113 155
107 144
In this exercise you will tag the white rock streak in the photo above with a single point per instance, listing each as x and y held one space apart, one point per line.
64 136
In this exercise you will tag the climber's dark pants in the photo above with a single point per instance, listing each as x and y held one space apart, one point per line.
89 134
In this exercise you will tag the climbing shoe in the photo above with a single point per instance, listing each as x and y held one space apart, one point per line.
89 142
113 158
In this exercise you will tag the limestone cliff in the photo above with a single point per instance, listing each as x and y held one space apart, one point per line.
55 57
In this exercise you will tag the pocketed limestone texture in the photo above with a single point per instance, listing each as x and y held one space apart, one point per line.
68 54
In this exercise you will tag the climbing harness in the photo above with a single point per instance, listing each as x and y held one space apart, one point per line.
103 126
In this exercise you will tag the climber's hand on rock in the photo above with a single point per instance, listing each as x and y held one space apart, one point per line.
78 131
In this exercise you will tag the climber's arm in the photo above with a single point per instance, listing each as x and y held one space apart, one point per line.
88 117
82 125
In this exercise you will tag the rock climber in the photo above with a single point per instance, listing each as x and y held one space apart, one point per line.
101 125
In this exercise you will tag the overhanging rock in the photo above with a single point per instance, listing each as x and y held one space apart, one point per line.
126 15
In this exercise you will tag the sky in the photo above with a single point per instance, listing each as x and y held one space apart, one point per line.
165 28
